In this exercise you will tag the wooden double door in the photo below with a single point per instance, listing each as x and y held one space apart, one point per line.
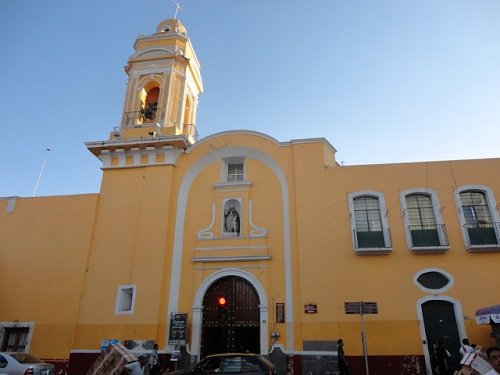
231 315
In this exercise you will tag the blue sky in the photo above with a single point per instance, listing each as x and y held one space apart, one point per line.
382 81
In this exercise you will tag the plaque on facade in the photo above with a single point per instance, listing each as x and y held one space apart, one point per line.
311 308
280 313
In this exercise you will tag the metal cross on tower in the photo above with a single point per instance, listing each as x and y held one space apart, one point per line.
177 8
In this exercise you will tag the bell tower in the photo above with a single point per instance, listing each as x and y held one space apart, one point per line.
161 100
163 86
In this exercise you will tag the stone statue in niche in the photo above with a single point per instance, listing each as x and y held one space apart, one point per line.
232 218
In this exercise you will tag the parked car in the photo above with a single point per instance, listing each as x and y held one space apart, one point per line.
23 364
232 363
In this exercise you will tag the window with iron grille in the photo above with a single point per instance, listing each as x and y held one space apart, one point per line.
14 339
367 214
420 211
425 231
423 228
369 222
480 227
475 208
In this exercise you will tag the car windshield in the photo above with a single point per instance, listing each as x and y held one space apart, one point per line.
25 358
239 364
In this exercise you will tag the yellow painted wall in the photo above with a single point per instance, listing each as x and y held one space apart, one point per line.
129 249
387 279
44 244
81 248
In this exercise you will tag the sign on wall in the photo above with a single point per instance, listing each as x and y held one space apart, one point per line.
311 308
177 331
361 307
280 313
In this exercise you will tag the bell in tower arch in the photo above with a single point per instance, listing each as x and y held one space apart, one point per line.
149 102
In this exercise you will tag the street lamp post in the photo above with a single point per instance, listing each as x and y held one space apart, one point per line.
41 171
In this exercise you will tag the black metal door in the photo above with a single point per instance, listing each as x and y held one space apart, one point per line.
230 318
441 324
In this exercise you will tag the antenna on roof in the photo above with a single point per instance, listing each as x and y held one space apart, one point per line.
177 8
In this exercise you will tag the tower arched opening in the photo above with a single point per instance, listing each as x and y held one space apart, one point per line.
150 95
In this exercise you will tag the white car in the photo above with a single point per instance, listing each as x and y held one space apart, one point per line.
23 364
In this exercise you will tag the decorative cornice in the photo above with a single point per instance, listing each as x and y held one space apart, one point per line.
176 141
265 136
133 157
246 247
251 258
233 185
160 36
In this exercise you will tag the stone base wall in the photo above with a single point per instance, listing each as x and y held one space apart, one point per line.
325 363
302 363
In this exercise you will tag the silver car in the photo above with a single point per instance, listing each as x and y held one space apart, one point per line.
23 364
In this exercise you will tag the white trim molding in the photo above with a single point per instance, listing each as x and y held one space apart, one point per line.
457 308
180 221
206 233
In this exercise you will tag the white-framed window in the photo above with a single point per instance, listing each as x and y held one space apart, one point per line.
479 217
425 231
370 229
234 169
235 172
16 336
125 299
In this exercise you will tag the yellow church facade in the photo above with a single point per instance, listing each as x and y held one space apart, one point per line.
289 238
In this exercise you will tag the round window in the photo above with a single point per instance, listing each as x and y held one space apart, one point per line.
433 280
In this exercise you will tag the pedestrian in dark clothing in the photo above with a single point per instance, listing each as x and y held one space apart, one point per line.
442 358
342 363
154 361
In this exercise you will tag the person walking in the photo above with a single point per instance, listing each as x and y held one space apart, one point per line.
442 358
465 347
342 363
135 367
154 361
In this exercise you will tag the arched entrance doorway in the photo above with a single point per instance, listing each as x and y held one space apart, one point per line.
440 323
232 324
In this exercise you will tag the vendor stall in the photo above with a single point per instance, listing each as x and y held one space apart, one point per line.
490 315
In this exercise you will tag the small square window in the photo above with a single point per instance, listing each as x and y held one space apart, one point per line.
235 172
125 299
